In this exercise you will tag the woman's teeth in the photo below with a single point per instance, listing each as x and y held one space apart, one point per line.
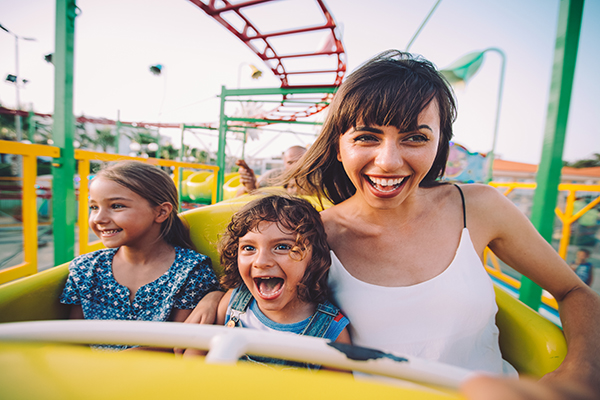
385 185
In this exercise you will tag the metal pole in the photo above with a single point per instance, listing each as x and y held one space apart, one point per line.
118 131
18 116
492 154
222 143
63 192
548 175
422 25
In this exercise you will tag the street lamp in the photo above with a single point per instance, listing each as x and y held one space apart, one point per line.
462 70
157 70
17 78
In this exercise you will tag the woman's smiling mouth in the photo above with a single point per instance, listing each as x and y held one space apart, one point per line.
385 185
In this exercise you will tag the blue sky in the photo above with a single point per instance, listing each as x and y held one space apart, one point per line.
116 42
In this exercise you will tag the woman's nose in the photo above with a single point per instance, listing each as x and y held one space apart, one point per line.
389 156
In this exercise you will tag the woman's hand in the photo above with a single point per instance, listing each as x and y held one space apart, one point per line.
494 388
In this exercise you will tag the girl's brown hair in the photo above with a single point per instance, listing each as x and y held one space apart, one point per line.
292 214
391 89
157 187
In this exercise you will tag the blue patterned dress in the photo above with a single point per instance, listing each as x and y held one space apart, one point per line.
92 285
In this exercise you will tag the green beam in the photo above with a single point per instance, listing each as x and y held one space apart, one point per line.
284 101
549 171
63 191
275 91
200 127
221 149
272 121
31 126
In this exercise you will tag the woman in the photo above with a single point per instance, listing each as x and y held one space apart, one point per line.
406 249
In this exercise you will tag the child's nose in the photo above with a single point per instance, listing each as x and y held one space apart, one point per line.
98 216
264 259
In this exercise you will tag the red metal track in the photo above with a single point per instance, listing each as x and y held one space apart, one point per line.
261 44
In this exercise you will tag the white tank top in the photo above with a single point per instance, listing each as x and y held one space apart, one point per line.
449 318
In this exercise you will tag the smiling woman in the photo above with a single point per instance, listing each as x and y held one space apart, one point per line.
406 248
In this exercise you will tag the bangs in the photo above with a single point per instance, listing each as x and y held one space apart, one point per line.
386 98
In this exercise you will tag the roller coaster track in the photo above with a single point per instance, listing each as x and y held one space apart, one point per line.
322 36
270 47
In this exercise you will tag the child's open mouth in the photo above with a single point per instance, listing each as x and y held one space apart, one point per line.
269 287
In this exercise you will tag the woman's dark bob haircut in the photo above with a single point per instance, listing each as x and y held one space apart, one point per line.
391 89
291 214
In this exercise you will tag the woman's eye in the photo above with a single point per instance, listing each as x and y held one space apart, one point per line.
417 139
365 138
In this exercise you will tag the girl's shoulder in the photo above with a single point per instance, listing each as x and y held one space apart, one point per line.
189 254
85 260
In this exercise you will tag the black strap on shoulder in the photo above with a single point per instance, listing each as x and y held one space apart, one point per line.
462 197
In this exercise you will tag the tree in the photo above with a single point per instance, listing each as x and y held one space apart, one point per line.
585 163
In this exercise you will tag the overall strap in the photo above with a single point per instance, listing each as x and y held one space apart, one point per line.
462 197
321 320
241 298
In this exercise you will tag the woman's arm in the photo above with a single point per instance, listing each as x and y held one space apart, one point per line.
222 308
512 237
76 312
206 309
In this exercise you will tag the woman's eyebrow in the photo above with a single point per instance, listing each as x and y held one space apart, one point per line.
367 129
424 127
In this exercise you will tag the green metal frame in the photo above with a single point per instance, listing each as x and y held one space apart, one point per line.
548 175
224 119
64 209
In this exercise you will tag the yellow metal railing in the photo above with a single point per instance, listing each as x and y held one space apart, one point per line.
84 157
567 217
30 152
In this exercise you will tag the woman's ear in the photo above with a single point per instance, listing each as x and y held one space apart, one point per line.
163 212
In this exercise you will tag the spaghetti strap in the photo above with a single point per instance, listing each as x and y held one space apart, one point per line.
462 197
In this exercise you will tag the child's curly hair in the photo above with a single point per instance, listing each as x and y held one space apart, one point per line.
295 215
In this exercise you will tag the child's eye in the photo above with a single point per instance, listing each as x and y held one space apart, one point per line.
247 247
117 206
283 246
94 208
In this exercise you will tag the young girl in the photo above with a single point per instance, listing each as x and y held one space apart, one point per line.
276 259
149 270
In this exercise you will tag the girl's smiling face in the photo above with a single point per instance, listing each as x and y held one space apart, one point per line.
121 217
386 165
272 271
